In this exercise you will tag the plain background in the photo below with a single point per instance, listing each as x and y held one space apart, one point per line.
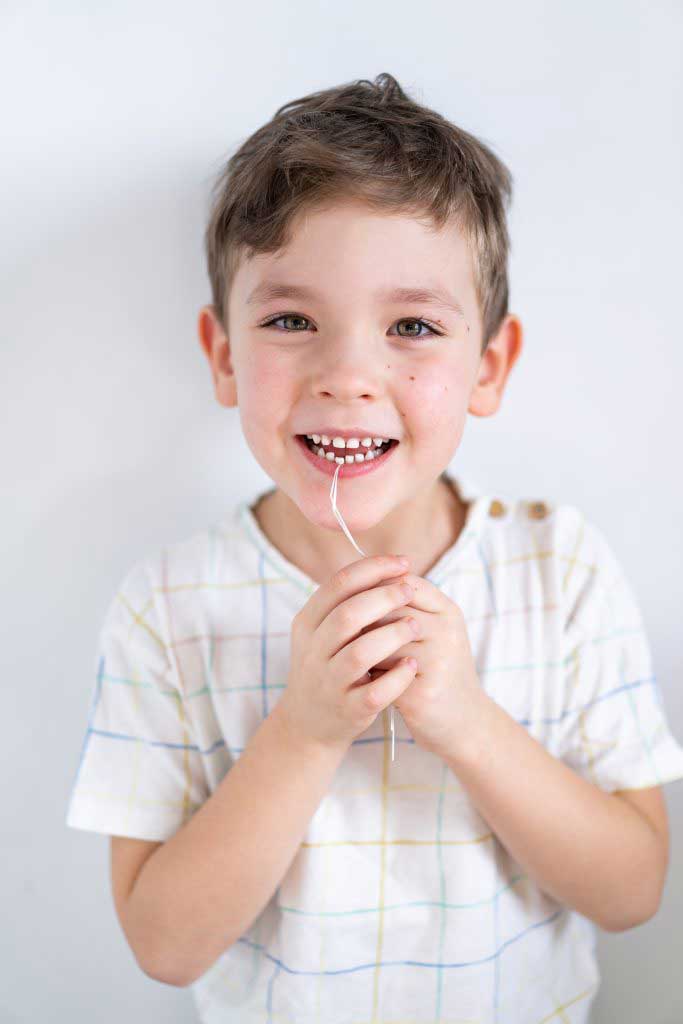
116 120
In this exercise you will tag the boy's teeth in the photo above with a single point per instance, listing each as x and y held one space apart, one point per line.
349 442
358 457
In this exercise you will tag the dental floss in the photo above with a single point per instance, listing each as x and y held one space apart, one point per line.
333 499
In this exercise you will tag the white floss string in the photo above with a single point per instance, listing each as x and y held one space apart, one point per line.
333 499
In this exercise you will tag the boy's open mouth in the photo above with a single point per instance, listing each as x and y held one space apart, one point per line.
364 450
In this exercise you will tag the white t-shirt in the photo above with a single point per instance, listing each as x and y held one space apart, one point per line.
400 904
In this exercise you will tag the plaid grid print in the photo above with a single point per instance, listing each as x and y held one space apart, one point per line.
400 906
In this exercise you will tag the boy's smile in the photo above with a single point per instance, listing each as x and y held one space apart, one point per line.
335 337
357 450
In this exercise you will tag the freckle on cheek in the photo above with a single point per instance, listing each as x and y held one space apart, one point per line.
412 378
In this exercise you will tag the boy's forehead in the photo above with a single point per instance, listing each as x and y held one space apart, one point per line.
385 257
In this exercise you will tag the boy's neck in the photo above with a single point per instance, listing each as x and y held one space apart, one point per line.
431 524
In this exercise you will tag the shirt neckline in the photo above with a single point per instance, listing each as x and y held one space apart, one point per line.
477 504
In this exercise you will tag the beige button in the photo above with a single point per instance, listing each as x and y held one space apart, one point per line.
538 510
497 508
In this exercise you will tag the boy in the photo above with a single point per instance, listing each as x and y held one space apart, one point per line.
265 848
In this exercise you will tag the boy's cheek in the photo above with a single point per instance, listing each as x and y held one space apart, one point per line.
264 372
437 392
267 394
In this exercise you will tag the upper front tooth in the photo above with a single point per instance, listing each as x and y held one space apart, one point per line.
350 442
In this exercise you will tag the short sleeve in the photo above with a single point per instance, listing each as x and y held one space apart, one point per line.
613 729
140 772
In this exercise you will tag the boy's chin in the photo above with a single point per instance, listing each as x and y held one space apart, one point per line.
357 520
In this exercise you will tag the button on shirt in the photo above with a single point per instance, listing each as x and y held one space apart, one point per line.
400 904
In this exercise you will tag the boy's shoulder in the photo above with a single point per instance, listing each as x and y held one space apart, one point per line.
554 555
218 550
502 512
536 524
561 541
535 513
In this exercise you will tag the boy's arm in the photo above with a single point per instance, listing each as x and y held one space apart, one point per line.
586 848
206 885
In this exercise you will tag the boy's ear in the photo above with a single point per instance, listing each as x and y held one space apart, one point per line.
500 356
216 346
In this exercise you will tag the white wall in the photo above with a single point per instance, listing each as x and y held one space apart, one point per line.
116 119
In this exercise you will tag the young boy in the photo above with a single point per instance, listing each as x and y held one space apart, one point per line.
265 846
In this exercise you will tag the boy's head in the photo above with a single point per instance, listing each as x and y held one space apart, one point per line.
353 198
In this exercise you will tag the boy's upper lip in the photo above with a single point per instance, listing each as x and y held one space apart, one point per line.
359 432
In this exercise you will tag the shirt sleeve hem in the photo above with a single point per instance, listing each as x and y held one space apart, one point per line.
134 824
641 783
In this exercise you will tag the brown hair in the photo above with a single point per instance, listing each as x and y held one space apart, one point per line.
367 140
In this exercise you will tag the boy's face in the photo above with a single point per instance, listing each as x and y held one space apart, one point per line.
349 357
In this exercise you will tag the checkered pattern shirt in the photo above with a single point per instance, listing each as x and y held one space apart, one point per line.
401 905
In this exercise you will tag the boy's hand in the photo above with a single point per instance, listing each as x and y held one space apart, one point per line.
441 703
330 697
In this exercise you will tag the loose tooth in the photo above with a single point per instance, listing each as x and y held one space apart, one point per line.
330 456
321 451
316 438
366 442
325 439
360 458
339 442
349 458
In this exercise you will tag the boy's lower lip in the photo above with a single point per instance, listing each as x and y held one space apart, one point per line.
347 469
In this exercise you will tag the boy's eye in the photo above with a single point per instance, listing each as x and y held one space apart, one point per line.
420 321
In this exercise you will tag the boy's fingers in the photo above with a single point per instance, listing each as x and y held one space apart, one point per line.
351 579
386 687
427 596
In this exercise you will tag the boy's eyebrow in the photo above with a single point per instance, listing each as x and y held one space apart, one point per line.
268 290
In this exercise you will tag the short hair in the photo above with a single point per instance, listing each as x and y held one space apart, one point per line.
370 141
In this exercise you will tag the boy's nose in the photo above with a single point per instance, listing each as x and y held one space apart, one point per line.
349 372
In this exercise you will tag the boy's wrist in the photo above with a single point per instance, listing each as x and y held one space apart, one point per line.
471 742
304 743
